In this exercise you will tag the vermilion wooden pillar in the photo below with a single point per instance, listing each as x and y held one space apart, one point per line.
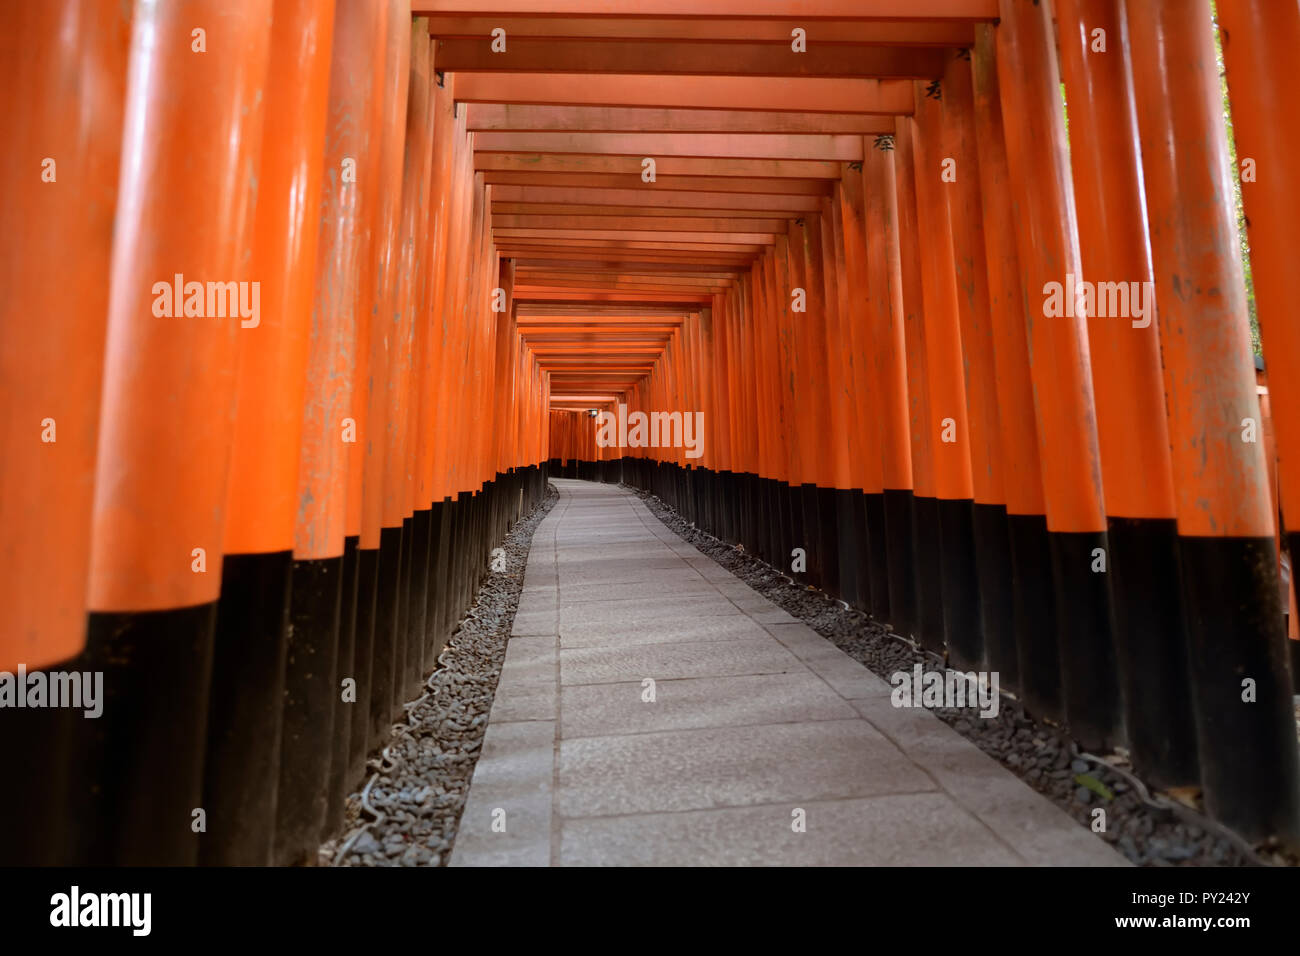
775 356
58 197
191 145
767 524
313 680
244 718
949 422
1259 44
453 156
836 345
410 332
1037 676
927 573
989 533
755 516
1240 684
814 383
866 402
1048 245
436 358
361 140
1130 400
890 366
377 521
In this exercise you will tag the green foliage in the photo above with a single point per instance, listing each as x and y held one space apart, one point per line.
1095 785
1243 237
1065 113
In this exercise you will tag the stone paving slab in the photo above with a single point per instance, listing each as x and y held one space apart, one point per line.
592 710
906 830
620 612
654 710
637 662
652 588
731 767
508 814
663 629
623 571
981 785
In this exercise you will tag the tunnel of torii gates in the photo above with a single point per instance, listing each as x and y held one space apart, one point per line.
452 231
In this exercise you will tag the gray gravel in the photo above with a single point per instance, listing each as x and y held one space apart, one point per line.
1169 833
408 811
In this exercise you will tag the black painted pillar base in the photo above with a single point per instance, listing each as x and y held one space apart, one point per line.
746 510
693 486
852 557
805 500
464 546
1151 650
706 498
709 506
310 691
442 582
1033 608
1087 644
730 504
794 535
384 637
960 588
137 774
1293 549
433 585
828 540
35 748
417 612
698 488
997 617
723 497
929 573
476 563
340 778
715 490
362 659
726 495
402 626
774 535
756 515
1249 775
901 560
870 507
245 710
781 530
745 514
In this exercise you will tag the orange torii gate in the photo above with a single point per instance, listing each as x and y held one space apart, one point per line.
891 324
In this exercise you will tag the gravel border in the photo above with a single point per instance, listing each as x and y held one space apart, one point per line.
408 811
1149 829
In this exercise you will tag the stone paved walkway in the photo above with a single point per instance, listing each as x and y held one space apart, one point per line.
755 717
